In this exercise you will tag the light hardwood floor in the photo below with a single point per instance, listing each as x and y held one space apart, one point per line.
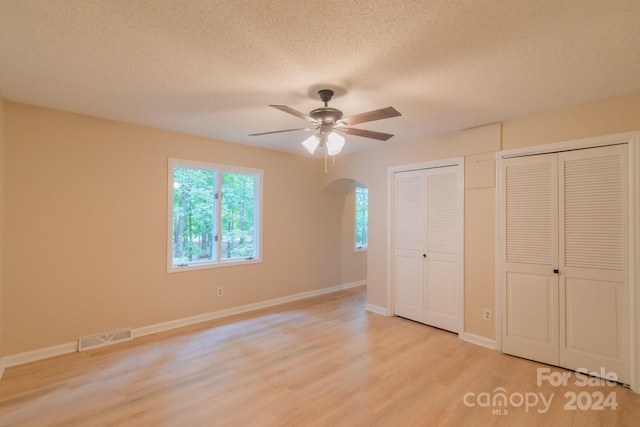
323 361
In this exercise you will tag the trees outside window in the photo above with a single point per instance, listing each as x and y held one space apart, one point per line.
238 216
214 214
193 215
362 218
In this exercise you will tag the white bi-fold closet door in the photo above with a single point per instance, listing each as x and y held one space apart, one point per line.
564 284
427 210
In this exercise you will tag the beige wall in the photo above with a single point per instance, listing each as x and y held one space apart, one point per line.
479 242
370 168
607 116
86 215
478 146
353 265
2 197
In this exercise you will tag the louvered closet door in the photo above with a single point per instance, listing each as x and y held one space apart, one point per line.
441 268
426 246
593 242
564 300
530 229
409 238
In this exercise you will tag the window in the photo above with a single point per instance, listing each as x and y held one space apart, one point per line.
362 218
214 215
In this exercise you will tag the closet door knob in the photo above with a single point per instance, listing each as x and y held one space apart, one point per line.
424 255
556 271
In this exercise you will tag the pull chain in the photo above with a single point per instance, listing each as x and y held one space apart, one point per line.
326 172
333 161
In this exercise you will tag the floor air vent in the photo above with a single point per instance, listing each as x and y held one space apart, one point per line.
87 343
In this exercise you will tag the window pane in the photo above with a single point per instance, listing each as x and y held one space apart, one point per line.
362 217
214 215
237 217
193 215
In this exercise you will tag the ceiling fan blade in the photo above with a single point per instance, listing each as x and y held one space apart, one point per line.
294 112
383 113
365 133
280 131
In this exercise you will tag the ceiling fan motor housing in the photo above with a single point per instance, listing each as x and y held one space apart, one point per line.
326 115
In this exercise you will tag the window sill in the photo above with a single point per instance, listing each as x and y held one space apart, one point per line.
231 263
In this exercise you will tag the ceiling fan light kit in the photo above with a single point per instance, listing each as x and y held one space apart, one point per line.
335 142
311 143
330 125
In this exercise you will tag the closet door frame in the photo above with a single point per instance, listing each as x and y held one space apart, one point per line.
458 162
632 140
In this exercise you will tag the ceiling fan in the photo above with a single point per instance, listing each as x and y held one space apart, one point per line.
331 125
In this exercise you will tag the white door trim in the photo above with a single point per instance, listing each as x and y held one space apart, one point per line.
632 139
391 171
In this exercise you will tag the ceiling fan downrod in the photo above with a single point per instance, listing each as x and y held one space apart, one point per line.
325 96
326 115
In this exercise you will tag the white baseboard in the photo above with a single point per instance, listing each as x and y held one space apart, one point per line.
377 309
478 340
166 326
45 353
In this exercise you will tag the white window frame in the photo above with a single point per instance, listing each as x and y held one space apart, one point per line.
355 221
219 170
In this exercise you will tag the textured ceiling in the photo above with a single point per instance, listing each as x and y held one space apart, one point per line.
211 68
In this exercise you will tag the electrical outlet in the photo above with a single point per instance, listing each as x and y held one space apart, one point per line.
486 314
220 291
